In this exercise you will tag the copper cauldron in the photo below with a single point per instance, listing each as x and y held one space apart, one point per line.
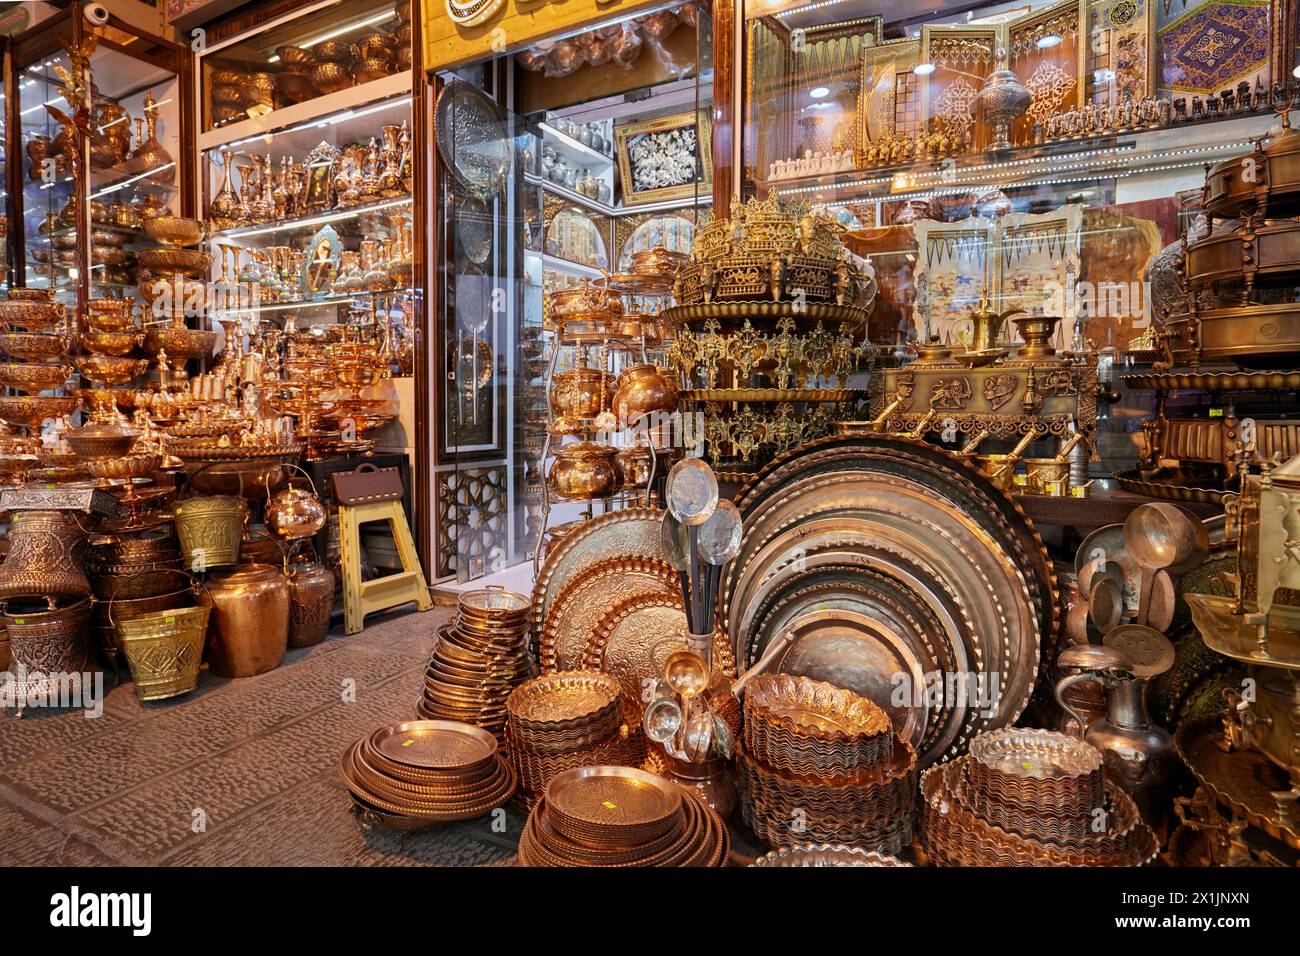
585 470
581 393
311 599
249 628
45 556
643 390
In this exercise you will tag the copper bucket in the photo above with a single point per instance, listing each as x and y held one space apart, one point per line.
45 556
49 640
210 530
164 647
311 599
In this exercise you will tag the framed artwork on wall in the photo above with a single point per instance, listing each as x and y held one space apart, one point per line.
665 159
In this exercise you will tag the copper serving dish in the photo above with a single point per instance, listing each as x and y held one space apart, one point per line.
112 343
30 316
295 56
124 468
374 45
180 342
259 89
657 262
330 77
101 440
371 68
31 410
228 77
34 378
109 321
108 255
187 262
333 51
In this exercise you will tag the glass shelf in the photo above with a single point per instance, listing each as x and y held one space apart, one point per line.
320 303
314 219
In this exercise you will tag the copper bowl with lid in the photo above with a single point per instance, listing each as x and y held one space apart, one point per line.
585 470
101 440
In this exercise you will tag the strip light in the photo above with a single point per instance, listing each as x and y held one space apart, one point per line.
328 121
368 22
318 220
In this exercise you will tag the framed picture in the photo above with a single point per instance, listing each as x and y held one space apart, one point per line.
665 159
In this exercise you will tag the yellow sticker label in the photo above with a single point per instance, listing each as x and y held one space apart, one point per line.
18 620
407 743
169 620
608 805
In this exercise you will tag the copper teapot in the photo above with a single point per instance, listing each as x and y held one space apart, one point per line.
294 513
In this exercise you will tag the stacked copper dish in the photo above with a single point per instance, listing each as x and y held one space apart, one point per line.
620 816
1030 798
481 656
562 721
819 763
826 854
421 773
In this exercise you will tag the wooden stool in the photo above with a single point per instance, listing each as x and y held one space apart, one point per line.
375 494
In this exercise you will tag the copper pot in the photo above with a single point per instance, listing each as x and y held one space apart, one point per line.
643 390
311 599
635 463
294 513
45 556
580 393
249 627
586 470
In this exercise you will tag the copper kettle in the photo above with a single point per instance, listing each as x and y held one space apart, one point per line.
294 513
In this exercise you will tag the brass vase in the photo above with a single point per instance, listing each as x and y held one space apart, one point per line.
311 599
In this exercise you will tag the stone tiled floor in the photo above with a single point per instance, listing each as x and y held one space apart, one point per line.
239 772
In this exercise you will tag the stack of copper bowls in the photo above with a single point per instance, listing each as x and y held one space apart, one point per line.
819 763
481 656
133 576
620 816
1030 798
826 854
417 774
562 721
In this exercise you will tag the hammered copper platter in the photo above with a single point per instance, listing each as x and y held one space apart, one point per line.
631 531
435 745
577 609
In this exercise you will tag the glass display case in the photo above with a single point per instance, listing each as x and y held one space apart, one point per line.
1012 163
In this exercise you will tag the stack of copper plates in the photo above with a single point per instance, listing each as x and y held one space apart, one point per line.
418 774
820 764
482 655
619 816
562 721
826 854
1030 798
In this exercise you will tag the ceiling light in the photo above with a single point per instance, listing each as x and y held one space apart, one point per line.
817 92
1048 41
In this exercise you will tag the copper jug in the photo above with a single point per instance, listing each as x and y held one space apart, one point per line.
45 556
249 628
1139 755
311 599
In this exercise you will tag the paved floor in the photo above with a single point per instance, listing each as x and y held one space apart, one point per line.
238 773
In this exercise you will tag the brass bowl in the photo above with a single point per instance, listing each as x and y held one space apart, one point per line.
110 306
642 390
376 45
259 89
186 262
332 51
228 77
330 77
106 237
112 343
25 294
227 95
585 470
124 467
31 410
64 240
371 68
110 322
404 58
34 378
296 87
31 316
295 56
32 346
175 231
100 440
110 369
180 342
402 35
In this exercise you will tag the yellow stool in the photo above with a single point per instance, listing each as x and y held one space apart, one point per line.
375 494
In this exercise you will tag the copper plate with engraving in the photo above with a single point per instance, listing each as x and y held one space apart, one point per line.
611 806
435 744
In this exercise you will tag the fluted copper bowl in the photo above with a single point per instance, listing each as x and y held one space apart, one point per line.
375 45
126 467
31 410
228 77
178 231
110 322
259 89
227 95
32 346
295 56
33 378
111 343
110 369
295 86
330 77
333 51
371 68
31 316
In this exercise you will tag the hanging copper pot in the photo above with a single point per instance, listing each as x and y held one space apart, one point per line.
45 556
311 599
249 627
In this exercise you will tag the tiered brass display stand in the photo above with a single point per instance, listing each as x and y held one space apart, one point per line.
615 317
1247 762
1237 334
771 316
987 395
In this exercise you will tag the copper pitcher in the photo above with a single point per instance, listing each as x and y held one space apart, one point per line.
249 628
311 599
45 556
